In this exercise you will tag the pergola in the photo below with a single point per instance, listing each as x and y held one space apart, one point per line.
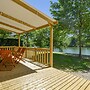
19 17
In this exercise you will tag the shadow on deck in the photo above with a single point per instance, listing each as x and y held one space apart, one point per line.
21 69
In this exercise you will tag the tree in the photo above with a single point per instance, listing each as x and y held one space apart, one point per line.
38 38
26 39
73 15
41 38
4 34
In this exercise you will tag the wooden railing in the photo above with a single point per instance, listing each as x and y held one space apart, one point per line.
7 47
40 55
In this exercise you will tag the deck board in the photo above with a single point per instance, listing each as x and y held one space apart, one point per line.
85 85
88 87
46 79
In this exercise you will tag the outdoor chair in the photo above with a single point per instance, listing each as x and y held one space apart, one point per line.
19 54
7 59
1 51
16 52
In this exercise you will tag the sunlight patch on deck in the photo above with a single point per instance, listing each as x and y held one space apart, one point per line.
30 65
33 65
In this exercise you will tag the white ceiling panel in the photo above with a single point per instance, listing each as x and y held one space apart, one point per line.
20 10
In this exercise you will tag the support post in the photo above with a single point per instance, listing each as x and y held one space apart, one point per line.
19 40
51 45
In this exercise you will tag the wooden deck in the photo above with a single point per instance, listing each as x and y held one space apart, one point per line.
46 79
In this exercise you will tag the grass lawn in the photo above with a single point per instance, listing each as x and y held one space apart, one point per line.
71 63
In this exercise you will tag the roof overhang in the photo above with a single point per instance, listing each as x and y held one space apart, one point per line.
19 17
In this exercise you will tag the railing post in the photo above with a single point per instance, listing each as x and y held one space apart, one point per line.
51 45
35 54
26 53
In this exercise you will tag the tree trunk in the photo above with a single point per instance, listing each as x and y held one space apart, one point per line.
80 33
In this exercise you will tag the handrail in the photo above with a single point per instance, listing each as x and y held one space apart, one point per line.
36 48
40 55
7 47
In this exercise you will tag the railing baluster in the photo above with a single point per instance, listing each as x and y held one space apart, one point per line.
47 58
45 62
42 56
38 55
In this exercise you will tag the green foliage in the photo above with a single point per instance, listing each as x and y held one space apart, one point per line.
4 34
9 42
26 39
41 38
8 38
73 18
38 38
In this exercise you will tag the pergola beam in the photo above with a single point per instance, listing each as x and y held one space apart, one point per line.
16 20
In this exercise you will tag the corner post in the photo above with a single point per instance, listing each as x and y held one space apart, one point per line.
51 45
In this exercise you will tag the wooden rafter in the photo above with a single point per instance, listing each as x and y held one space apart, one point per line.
21 3
37 28
11 26
7 30
17 20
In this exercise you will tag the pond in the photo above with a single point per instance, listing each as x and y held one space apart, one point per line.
75 50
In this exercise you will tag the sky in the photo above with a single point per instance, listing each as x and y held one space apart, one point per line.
42 5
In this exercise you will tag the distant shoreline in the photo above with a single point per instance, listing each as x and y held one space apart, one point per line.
84 56
71 54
